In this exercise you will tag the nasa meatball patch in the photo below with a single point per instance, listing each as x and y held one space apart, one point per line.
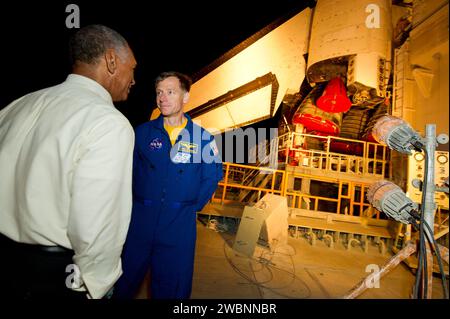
155 144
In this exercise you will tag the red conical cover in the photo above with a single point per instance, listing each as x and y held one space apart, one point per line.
334 98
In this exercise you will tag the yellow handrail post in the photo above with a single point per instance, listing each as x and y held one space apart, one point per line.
273 182
225 182
283 191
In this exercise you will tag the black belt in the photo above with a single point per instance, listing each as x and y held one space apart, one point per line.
7 242
53 249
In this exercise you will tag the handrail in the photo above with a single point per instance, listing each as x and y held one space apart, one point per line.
372 159
347 189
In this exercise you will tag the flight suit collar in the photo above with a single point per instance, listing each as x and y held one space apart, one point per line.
159 123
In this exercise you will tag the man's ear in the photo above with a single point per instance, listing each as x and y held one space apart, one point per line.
186 97
111 61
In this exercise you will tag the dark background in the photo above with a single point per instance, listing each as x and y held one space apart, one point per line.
184 36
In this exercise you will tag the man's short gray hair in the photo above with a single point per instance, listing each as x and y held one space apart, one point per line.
91 42
185 80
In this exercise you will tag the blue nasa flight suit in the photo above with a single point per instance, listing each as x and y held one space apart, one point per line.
170 184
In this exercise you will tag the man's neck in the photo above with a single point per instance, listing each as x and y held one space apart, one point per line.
174 120
92 72
86 70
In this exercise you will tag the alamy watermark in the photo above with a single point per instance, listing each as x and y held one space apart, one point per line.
73 280
240 146
373 19
73 19
373 280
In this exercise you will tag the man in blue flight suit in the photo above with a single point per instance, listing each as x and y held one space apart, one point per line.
176 170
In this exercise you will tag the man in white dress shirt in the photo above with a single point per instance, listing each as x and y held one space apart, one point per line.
65 176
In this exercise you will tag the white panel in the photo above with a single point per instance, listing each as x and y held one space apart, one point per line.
249 229
234 114
280 52
267 219
215 120
251 106
274 230
339 29
363 68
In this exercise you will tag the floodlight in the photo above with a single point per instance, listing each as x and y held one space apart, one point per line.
397 134
390 199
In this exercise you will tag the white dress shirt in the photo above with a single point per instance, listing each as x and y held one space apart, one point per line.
65 176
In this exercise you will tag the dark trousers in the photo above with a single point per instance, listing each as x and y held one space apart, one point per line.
35 271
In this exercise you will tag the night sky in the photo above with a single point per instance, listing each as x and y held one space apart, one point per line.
184 36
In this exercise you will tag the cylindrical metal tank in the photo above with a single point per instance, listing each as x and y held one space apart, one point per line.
351 38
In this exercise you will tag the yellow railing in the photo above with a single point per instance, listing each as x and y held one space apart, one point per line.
369 159
350 194
350 198
230 182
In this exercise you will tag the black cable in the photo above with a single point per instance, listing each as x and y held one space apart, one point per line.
420 145
421 257
439 259
419 268
421 274
433 244
421 264
267 267
424 261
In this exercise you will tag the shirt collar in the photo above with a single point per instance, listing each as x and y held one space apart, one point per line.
89 84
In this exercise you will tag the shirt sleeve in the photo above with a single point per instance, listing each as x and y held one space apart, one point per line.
101 203
211 172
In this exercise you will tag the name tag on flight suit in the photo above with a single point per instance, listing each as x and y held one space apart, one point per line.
181 157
